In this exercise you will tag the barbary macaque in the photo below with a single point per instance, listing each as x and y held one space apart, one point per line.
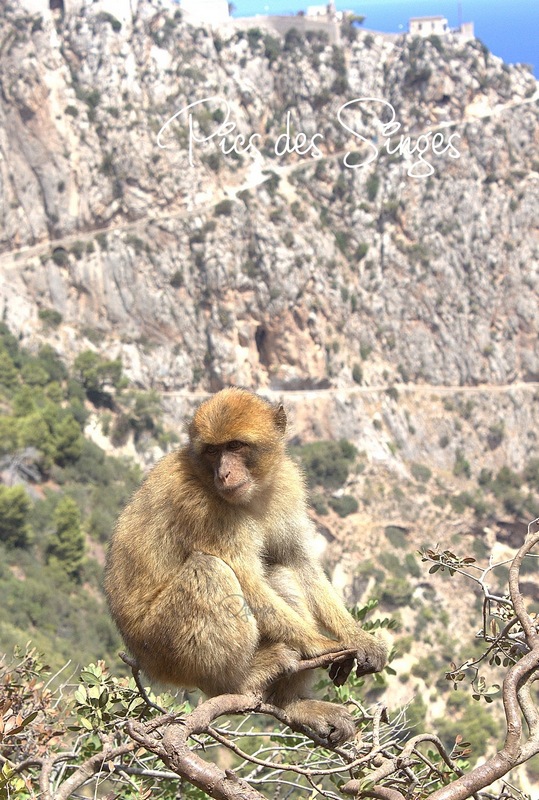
210 577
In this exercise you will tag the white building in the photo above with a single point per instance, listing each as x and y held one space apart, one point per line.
438 26
427 26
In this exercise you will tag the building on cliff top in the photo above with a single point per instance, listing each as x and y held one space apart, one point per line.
438 26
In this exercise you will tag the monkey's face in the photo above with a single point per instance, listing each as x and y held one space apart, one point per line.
231 475
236 441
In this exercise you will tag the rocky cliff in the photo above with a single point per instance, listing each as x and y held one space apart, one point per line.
225 206
282 271
352 227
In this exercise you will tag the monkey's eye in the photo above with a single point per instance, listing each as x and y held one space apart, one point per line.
235 445
211 449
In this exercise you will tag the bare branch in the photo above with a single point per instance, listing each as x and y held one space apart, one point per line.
171 746
90 767
135 669
516 699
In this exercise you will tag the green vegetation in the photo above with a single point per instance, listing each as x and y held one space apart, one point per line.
373 184
224 208
51 585
344 505
14 509
461 467
420 472
396 536
357 373
115 24
49 317
97 375
66 546
326 464
469 718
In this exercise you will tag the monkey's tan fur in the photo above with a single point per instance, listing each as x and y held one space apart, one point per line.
210 577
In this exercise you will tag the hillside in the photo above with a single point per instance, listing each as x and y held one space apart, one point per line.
393 306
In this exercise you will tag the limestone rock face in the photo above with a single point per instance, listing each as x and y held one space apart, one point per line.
202 267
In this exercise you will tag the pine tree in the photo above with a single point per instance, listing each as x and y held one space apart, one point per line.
14 509
66 546
68 440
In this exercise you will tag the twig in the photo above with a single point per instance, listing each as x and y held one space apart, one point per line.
135 669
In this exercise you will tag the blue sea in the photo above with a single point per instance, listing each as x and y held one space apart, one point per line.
509 29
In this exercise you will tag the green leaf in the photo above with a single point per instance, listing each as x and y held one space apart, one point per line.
80 695
89 677
94 692
30 718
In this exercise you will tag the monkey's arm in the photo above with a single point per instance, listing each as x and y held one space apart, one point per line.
277 620
329 610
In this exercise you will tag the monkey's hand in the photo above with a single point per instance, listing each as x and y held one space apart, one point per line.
371 657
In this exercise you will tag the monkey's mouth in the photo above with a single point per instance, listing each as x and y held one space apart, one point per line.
236 492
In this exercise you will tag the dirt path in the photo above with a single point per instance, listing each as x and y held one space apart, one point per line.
348 391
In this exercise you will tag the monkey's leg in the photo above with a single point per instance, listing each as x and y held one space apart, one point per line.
270 662
329 721
294 693
201 632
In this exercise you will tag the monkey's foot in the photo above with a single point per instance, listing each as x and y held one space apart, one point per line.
328 721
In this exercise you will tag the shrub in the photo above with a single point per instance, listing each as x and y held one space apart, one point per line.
60 257
531 473
396 592
344 505
357 373
373 184
224 208
326 464
318 503
272 48
421 472
413 567
49 316
115 24
495 435
14 511
461 466
396 535
176 280
362 250
505 480
293 40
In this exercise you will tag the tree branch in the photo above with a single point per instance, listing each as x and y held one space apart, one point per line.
516 700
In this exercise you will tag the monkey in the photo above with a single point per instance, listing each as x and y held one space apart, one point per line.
209 576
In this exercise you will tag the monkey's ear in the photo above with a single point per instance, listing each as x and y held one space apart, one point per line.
280 419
